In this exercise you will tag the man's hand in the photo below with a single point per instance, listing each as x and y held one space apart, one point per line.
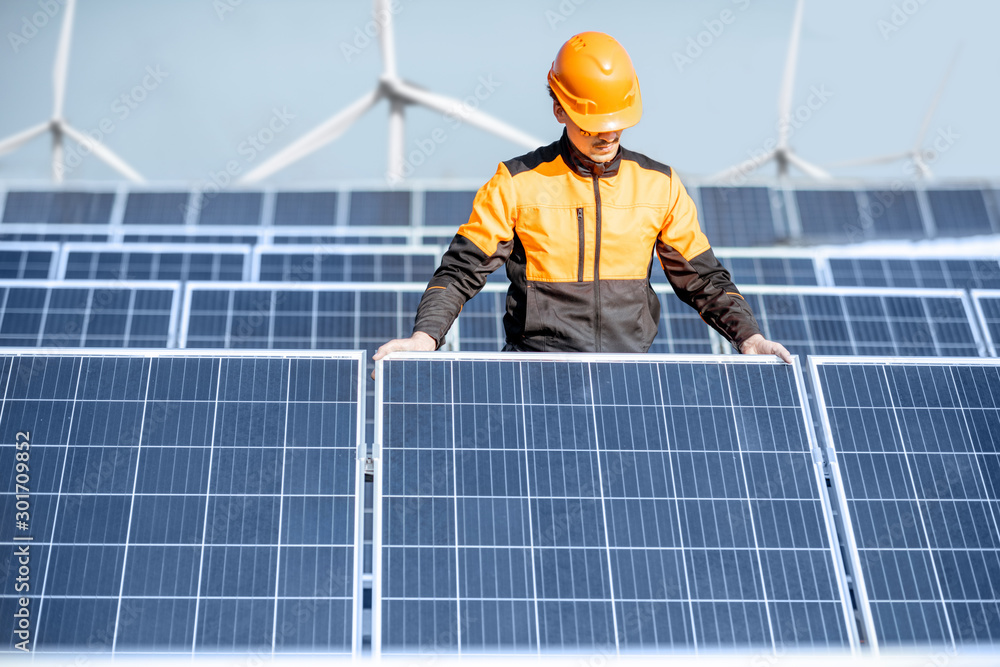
418 342
757 344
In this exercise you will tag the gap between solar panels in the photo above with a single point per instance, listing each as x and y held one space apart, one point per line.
183 502
609 504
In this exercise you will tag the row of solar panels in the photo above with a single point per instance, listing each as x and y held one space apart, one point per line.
522 504
98 261
280 316
731 216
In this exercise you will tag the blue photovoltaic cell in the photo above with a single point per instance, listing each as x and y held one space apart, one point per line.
894 214
53 238
681 330
153 265
325 265
29 264
380 208
957 273
156 208
86 208
316 209
641 505
230 208
959 212
737 216
919 464
989 317
894 324
185 504
79 315
829 214
447 208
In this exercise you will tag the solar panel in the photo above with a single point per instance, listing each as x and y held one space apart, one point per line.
447 208
379 208
737 216
584 504
50 238
761 268
157 208
36 313
893 214
154 262
346 264
987 304
62 207
870 321
479 327
194 236
28 261
829 214
186 504
317 209
230 208
913 449
957 272
959 212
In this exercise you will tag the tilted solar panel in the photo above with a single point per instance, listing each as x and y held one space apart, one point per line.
859 320
892 214
374 208
588 504
157 208
154 262
180 503
28 260
959 212
987 304
956 272
61 207
36 313
229 208
352 264
829 214
317 209
916 466
737 216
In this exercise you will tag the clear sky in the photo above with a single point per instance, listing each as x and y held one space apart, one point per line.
225 66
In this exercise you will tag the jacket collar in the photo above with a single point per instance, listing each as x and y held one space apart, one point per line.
583 165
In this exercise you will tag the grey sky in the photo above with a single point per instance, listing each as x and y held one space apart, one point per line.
227 71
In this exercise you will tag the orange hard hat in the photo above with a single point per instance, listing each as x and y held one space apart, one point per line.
595 82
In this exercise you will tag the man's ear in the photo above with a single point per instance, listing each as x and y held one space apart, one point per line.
559 112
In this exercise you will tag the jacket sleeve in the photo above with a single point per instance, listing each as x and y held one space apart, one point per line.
696 275
481 246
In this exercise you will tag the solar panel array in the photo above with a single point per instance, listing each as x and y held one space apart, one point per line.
632 505
184 504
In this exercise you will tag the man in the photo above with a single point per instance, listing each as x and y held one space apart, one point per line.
576 223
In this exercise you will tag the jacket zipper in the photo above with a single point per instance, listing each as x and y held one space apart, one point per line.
597 264
579 224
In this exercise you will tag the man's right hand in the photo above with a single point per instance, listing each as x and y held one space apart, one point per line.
418 342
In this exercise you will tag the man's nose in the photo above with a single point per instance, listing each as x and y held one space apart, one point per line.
609 136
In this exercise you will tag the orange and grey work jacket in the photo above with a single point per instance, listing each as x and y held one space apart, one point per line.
577 238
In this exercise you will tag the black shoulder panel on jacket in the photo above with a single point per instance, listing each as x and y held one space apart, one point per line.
645 162
531 160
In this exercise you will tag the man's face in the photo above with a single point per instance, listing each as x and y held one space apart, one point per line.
598 147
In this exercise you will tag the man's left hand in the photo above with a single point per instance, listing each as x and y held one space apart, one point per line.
757 344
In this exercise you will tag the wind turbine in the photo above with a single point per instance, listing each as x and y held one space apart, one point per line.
400 94
57 125
917 155
782 153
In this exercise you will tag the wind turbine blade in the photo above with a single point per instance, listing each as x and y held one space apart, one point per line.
62 60
386 38
315 139
453 108
57 154
742 169
788 78
104 154
881 159
17 140
937 98
808 168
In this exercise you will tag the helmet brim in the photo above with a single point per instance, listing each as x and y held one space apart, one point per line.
608 122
